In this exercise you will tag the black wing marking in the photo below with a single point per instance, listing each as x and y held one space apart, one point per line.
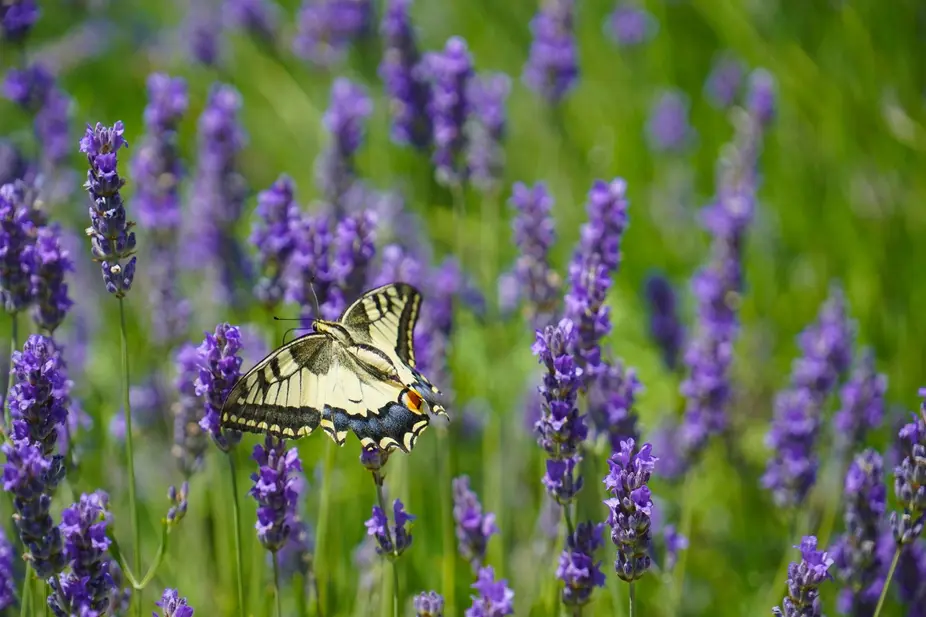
386 317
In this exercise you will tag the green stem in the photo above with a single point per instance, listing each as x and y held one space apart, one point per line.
395 588
119 556
14 345
633 598
276 583
300 586
158 558
570 527
236 520
26 603
887 582
321 531
384 601
449 557
129 453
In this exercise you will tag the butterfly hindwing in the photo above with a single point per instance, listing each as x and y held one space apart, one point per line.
284 393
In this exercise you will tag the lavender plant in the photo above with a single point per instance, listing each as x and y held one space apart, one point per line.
804 580
326 28
538 284
473 527
345 121
552 68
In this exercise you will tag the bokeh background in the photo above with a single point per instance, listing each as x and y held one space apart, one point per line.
842 199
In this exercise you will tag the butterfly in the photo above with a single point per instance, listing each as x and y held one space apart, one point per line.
355 374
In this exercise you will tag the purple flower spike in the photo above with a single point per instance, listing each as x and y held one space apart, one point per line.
409 94
394 539
631 508
449 73
826 347
725 81
577 566
429 604
17 256
668 129
494 598
855 556
611 403
534 233
630 25
38 397
354 248
17 18
325 29
83 527
761 96
486 129
274 490
665 325
473 527
111 236
259 18
861 402
804 579
910 481
560 429
49 291
272 236
552 67
7 580
675 543
190 440
172 605
219 369
345 121
310 268
12 164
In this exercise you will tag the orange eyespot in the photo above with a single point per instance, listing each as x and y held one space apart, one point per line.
414 400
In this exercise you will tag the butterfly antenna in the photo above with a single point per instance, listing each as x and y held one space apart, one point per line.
275 318
318 311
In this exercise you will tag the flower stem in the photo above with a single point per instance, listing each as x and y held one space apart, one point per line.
14 345
130 455
381 500
236 521
570 527
887 582
321 531
395 588
633 598
449 557
276 583
25 605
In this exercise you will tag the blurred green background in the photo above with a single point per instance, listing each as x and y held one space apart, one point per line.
842 198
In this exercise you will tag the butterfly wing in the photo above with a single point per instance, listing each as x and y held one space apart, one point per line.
385 318
285 393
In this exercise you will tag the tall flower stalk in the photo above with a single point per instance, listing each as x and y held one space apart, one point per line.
113 241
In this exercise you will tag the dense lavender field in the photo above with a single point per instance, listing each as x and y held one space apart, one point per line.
669 260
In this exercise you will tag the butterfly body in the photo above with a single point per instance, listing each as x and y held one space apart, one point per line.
356 375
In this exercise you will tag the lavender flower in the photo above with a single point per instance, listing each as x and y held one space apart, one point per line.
203 35
393 539
761 96
552 67
219 369
111 236
295 556
674 543
631 508
172 605
577 566
725 81
629 25
16 254
37 397
310 268
83 527
31 478
668 129
910 481
273 490
409 94
219 190
826 354
665 325
7 582
17 18
449 73
326 28
486 129
35 90
429 604
910 575
354 248
49 291
560 429
190 439
804 579
272 236
855 554
12 164
179 502
256 17
345 121
611 399
534 234
597 258
473 527
398 265
494 598
862 402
